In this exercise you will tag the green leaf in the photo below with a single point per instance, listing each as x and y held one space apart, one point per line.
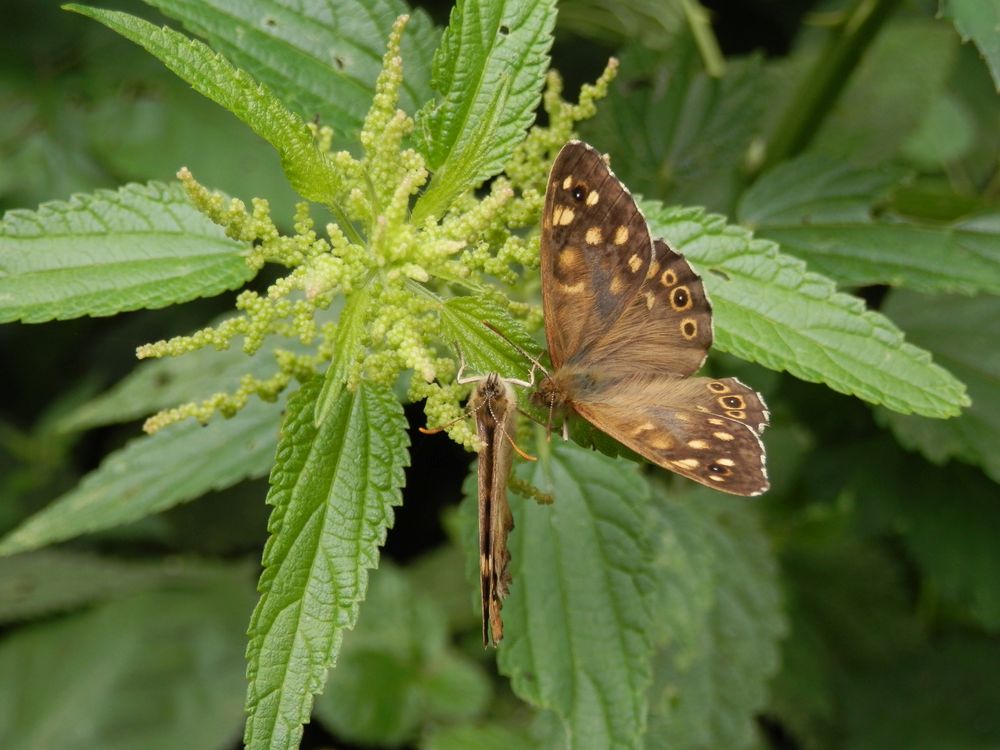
944 696
308 170
396 672
142 246
153 473
346 350
850 610
720 610
578 635
819 208
42 583
484 351
948 520
901 74
769 309
320 59
161 383
817 188
678 133
157 671
479 736
978 21
963 334
333 488
488 71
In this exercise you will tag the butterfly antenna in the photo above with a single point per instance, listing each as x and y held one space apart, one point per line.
535 364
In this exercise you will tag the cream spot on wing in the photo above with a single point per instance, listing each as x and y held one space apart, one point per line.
644 427
725 462
668 278
654 268
661 443
635 262
617 284
569 259
562 215
650 299
682 417
592 197
716 478
717 422
725 436
621 235
568 182
572 288
699 407
594 236
686 463
698 445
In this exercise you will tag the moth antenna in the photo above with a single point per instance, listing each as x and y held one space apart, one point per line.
535 364
503 430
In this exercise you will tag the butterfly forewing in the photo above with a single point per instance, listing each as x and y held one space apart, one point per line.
595 252
702 428
494 405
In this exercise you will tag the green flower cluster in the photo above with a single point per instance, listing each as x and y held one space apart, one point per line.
404 269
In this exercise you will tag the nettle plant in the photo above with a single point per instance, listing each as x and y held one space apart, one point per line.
430 179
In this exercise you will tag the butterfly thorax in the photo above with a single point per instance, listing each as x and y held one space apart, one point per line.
558 389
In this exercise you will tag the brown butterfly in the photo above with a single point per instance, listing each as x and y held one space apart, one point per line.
628 322
494 405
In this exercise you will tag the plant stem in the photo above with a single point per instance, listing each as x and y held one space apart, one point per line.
821 87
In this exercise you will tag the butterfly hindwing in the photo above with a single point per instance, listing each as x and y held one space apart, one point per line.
595 254
668 327
688 426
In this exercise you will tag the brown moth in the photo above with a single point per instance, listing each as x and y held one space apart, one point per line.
628 322
494 405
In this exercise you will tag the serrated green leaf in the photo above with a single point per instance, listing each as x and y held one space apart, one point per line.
346 350
142 246
577 635
488 71
156 671
321 59
308 170
720 611
333 488
680 134
963 334
977 20
42 583
483 350
153 473
769 309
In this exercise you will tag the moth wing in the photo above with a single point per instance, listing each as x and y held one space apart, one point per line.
494 404
595 251
684 426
